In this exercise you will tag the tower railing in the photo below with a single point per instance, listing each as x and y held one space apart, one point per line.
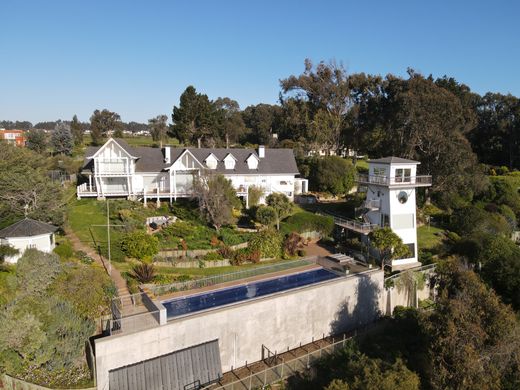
421 180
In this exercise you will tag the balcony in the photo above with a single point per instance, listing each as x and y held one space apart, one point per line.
400 181
111 167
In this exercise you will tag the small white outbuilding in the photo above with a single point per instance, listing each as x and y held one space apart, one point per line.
28 233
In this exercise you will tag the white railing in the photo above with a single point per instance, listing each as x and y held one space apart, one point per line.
422 180
85 189
111 167
358 226
372 204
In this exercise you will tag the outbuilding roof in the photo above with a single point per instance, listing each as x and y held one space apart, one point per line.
393 160
27 227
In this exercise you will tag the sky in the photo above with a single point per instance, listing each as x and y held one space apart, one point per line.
60 58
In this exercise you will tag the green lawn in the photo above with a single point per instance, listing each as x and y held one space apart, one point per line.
429 237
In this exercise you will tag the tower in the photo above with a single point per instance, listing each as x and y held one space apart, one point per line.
390 200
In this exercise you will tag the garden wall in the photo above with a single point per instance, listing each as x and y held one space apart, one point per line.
194 252
10 383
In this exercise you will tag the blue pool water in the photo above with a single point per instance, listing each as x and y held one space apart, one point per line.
195 303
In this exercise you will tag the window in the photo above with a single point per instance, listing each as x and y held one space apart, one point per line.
403 175
379 171
412 249
229 162
283 183
385 220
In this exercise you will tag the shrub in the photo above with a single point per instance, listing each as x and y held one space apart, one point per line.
144 273
268 243
301 252
292 243
212 256
35 271
254 194
305 221
226 252
245 255
7 251
265 215
164 279
84 257
64 249
140 245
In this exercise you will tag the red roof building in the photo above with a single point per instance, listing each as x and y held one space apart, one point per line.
16 137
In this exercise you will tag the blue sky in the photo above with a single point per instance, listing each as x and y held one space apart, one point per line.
59 58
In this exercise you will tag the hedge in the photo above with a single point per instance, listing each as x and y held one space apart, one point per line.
305 221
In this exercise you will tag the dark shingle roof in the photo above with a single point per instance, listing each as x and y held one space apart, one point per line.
276 161
393 160
26 228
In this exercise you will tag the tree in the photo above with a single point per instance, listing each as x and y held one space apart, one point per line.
474 338
26 188
140 245
77 130
158 128
194 120
281 205
265 215
61 139
332 174
36 140
268 243
419 120
7 251
261 122
254 194
103 123
389 245
217 198
229 119
327 91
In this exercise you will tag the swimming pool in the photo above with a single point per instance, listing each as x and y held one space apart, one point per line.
194 303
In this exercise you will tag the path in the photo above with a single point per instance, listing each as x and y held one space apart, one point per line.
119 281
315 249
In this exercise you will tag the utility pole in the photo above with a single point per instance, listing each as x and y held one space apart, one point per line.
108 226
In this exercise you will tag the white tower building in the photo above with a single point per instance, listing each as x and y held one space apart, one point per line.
390 200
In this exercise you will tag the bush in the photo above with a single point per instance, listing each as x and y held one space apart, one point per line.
212 256
35 271
140 245
226 252
64 249
84 257
268 243
245 255
292 243
143 273
305 221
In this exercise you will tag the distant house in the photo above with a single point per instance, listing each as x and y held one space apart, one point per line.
28 233
15 137
117 169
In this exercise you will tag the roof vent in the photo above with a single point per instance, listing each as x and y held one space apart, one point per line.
167 154
261 151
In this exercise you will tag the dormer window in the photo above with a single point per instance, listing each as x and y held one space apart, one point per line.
229 161
252 161
211 161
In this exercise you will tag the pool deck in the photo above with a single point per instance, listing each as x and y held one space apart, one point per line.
238 282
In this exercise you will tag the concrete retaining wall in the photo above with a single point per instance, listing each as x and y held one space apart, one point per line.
278 321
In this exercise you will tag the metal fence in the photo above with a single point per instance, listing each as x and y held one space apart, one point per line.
283 370
229 277
133 312
424 268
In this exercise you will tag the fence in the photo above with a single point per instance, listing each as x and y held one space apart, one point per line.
134 312
229 277
283 370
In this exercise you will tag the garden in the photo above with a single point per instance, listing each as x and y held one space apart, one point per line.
187 246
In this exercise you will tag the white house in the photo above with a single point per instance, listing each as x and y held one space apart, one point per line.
117 169
391 184
28 233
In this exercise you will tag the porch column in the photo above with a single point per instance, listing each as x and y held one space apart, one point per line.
175 184
144 193
171 185
158 200
90 183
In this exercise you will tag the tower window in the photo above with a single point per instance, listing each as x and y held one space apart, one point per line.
403 175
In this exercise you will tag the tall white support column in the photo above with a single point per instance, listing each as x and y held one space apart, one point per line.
171 185
144 199
158 199
90 183
175 184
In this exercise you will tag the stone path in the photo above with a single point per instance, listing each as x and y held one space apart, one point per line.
315 249
115 275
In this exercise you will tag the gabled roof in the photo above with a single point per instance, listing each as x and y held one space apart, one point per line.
26 228
253 155
119 141
393 160
276 161
230 155
211 155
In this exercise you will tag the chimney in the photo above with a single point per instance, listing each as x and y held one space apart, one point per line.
167 154
261 151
